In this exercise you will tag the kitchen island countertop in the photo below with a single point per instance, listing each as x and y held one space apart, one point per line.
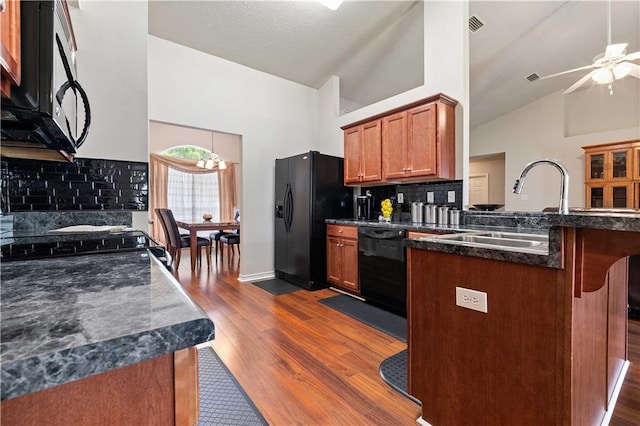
68 318
524 222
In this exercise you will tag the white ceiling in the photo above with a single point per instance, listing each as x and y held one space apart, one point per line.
375 47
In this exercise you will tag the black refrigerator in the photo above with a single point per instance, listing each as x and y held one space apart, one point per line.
309 189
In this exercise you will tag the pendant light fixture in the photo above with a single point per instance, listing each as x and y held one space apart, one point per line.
213 159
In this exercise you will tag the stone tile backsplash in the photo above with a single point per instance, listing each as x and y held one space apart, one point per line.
87 184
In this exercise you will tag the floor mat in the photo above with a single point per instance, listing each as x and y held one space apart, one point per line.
391 324
222 399
277 286
393 370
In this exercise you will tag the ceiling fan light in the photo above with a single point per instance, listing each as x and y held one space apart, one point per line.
621 71
200 163
222 165
603 76
209 164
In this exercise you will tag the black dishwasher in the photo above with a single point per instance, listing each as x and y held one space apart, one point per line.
381 263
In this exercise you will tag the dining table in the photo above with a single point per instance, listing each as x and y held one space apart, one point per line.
203 225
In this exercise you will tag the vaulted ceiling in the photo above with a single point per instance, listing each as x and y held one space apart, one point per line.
376 47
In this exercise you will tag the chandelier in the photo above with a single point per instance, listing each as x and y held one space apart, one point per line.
213 159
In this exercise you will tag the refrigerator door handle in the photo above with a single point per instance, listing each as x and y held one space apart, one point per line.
288 207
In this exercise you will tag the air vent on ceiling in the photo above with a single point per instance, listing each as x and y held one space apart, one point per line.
533 77
475 23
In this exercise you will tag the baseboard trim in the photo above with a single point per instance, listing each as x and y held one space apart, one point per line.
261 276
616 393
422 421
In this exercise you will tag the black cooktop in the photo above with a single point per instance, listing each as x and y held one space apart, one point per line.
60 245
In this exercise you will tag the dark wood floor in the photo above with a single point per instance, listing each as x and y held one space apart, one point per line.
303 363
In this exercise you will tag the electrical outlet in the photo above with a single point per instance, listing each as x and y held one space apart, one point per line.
451 196
430 197
471 299
524 197
400 197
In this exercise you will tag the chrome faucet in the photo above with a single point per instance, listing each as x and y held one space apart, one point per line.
563 208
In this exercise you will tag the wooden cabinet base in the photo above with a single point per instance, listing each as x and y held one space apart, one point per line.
139 394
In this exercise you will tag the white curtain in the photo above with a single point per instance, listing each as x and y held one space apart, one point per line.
191 195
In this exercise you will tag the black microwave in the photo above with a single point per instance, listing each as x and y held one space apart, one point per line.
43 109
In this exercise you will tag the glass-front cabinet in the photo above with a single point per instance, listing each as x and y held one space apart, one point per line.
612 175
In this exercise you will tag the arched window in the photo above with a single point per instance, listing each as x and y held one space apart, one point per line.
190 195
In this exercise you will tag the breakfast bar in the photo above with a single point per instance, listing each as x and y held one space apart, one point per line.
539 338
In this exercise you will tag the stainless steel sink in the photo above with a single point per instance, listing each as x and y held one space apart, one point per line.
509 241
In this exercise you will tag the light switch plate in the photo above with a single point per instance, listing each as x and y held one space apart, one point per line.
430 197
471 299
524 197
451 196
400 197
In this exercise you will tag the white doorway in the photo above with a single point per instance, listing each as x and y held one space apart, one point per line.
479 189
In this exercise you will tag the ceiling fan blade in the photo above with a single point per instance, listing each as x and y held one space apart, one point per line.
635 69
579 82
615 50
566 72
632 56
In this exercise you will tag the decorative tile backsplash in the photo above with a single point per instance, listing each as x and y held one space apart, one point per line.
416 192
87 184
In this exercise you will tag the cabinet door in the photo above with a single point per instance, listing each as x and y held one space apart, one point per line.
334 260
620 164
422 142
394 146
350 264
352 143
371 152
10 50
595 166
595 196
636 163
620 195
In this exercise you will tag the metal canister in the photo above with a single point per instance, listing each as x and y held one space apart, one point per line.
417 212
443 218
430 213
454 217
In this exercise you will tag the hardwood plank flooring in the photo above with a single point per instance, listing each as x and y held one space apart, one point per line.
304 364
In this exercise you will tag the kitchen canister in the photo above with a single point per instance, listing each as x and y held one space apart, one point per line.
443 217
417 215
430 214
454 217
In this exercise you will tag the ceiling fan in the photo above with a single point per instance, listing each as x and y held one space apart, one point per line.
609 66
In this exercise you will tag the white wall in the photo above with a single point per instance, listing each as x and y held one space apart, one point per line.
112 68
275 117
533 132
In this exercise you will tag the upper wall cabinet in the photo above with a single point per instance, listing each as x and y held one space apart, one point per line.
362 150
10 50
417 143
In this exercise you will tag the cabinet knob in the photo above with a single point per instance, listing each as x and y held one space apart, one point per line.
339 231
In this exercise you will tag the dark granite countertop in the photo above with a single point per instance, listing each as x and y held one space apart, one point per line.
67 318
523 222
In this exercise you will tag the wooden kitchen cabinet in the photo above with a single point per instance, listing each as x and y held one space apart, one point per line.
342 257
417 143
415 148
611 174
158 391
362 153
10 51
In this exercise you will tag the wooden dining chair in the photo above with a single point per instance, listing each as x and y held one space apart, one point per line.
177 242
